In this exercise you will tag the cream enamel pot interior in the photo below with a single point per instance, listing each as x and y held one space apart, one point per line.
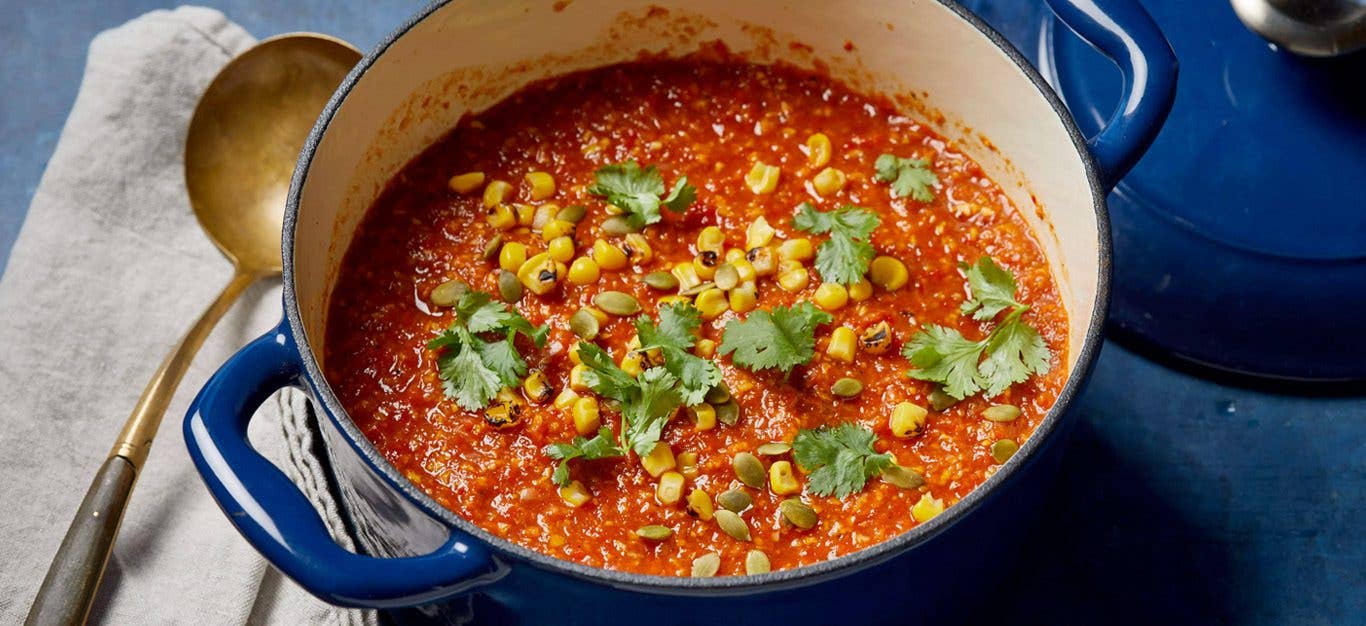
937 61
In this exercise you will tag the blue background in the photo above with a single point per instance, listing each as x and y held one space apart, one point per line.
1185 498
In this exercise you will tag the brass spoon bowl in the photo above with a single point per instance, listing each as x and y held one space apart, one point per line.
243 140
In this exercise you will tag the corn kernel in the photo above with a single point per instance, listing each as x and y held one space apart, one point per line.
565 401
781 480
758 234
926 508
860 291
637 249
674 299
762 178
687 275
597 313
574 494
586 416
876 339
743 299
561 249
633 364
573 353
670 489
540 273
828 181
542 184
907 420
745 270
608 256
555 229
888 273
794 280
703 416
495 193
536 388
576 381
659 460
687 463
789 266
831 296
842 345
526 214
583 271
704 348
764 261
711 303
711 238
818 150
542 215
734 254
799 249
706 263
502 217
466 183
699 505
512 256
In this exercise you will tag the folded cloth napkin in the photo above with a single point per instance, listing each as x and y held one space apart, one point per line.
108 272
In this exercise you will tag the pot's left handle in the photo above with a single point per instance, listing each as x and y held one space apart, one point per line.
279 521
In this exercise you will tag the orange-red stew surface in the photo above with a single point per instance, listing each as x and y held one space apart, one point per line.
712 120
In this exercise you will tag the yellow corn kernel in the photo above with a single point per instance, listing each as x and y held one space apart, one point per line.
574 494
789 266
659 460
706 263
842 345
597 313
687 464
781 480
561 249
888 273
583 271
831 296
674 299
711 238
860 291
565 401
608 256
576 378
743 299
745 270
758 234
711 303
799 249
536 388
687 275
734 254
794 280
466 183
703 416
818 150
542 215
554 229
764 261
633 364
762 178
907 420
704 348
637 249
573 353
699 505
926 508
828 181
586 416
512 256
542 184
540 273
526 214
670 489
495 193
502 217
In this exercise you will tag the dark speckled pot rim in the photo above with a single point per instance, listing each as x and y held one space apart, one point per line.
728 585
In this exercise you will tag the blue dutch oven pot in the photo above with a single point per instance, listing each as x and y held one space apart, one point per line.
415 553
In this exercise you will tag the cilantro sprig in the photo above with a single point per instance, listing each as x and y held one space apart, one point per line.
637 191
844 257
1013 350
478 355
602 446
781 339
909 177
841 459
674 337
646 402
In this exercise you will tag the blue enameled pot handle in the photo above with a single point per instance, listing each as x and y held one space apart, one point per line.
1125 33
279 521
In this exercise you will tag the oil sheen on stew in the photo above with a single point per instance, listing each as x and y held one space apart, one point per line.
711 120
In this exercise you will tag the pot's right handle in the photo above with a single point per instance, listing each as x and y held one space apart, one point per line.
1123 31
280 522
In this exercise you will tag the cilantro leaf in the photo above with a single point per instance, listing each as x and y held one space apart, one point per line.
1015 351
781 339
478 354
602 446
646 403
673 337
909 177
843 258
637 191
943 355
993 290
841 459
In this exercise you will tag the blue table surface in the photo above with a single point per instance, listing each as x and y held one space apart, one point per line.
1184 498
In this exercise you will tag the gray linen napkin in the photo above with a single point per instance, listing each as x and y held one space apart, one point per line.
108 272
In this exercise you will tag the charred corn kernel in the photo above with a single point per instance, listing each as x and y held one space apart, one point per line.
704 348
703 416
542 184
536 388
828 181
745 270
674 299
860 291
842 346
670 489
633 364
907 420
512 256
526 214
699 505
561 249
743 299
876 338
586 416
762 178
734 254
659 460
583 271
554 229
576 381
540 273
506 409
758 234
799 249
466 183
831 296
817 150
888 273
711 303
781 480
608 256
495 193
926 508
687 275
574 494
763 259
637 249
706 263
711 238
502 217
565 401
542 215
794 280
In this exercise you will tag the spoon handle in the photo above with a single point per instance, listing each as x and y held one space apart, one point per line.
69 588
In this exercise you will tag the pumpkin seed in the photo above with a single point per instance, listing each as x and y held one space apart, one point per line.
617 303
1004 449
706 566
798 513
492 248
692 291
509 287
775 449
749 470
449 293
728 412
732 525
661 280
654 532
718 394
941 400
573 213
903 477
734 500
584 324
618 225
727 277
1001 413
847 387
756 562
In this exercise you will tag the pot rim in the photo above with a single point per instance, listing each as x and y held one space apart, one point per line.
798 576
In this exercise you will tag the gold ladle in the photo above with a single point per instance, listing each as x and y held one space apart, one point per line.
243 140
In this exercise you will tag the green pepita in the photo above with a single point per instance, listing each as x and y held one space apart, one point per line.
584 324
661 280
734 500
902 476
572 213
847 387
750 470
941 400
798 513
449 293
617 303
509 288
1001 413
727 277
692 291
492 248
654 532
728 412
1004 449
732 525
775 448
618 225
756 562
706 566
